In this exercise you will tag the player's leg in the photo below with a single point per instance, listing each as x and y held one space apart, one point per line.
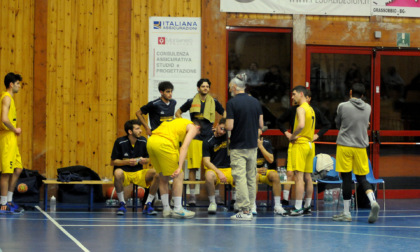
344 165
211 179
273 180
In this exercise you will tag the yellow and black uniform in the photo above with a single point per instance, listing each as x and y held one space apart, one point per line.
163 145
124 150
204 111
216 149
261 161
9 151
159 111
302 153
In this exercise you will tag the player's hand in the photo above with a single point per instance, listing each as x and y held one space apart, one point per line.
288 135
293 139
133 161
176 173
222 177
260 142
149 132
315 137
18 131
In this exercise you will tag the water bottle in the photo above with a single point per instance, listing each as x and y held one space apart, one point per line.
53 204
352 202
284 173
327 197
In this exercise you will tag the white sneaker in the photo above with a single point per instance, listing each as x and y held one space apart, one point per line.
280 211
235 207
374 211
254 209
212 208
219 200
242 216
182 214
167 213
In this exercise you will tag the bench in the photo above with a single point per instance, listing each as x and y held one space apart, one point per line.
90 183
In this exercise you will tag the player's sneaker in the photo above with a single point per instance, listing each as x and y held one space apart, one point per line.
121 210
284 202
280 211
5 209
167 213
157 204
254 209
212 208
307 210
374 211
219 200
296 212
242 216
182 214
149 210
342 217
192 201
15 207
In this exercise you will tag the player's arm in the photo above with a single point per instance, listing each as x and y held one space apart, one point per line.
178 113
229 124
269 157
300 114
338 117
207 163
192 131
5 115
124 162
143 122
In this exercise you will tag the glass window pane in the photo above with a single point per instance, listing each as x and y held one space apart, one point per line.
332 76
265 57
400 93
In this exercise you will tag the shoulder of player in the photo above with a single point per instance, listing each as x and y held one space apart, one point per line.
142 139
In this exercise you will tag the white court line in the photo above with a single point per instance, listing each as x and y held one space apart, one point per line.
62 229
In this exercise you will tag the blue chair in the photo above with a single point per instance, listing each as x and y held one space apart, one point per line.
372 180
332 175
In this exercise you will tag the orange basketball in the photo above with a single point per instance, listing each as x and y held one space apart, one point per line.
111 193
22 188
140 193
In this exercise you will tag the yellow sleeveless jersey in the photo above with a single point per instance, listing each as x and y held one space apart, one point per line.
307 133
174 130
12 111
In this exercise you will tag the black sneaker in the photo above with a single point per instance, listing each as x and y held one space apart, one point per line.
296 212
284 202
307 210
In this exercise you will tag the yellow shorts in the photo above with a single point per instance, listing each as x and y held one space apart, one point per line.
163 156
263 179
227 172
9 152
289 157
195 154
137 178
302 157
352 159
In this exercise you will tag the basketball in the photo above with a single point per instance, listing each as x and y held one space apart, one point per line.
22 188
111 193
140 193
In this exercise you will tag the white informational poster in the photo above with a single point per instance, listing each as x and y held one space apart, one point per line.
306 7
175 56
400 8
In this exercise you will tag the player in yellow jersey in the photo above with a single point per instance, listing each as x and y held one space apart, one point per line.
10 160
167 157
302 154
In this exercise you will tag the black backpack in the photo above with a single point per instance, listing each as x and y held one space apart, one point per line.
31 181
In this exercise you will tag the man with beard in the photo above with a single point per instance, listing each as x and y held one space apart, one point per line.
128 157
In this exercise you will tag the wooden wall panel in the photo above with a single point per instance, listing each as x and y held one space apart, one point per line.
81 84
16 55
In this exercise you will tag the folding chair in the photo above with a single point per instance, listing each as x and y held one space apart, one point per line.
332 175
